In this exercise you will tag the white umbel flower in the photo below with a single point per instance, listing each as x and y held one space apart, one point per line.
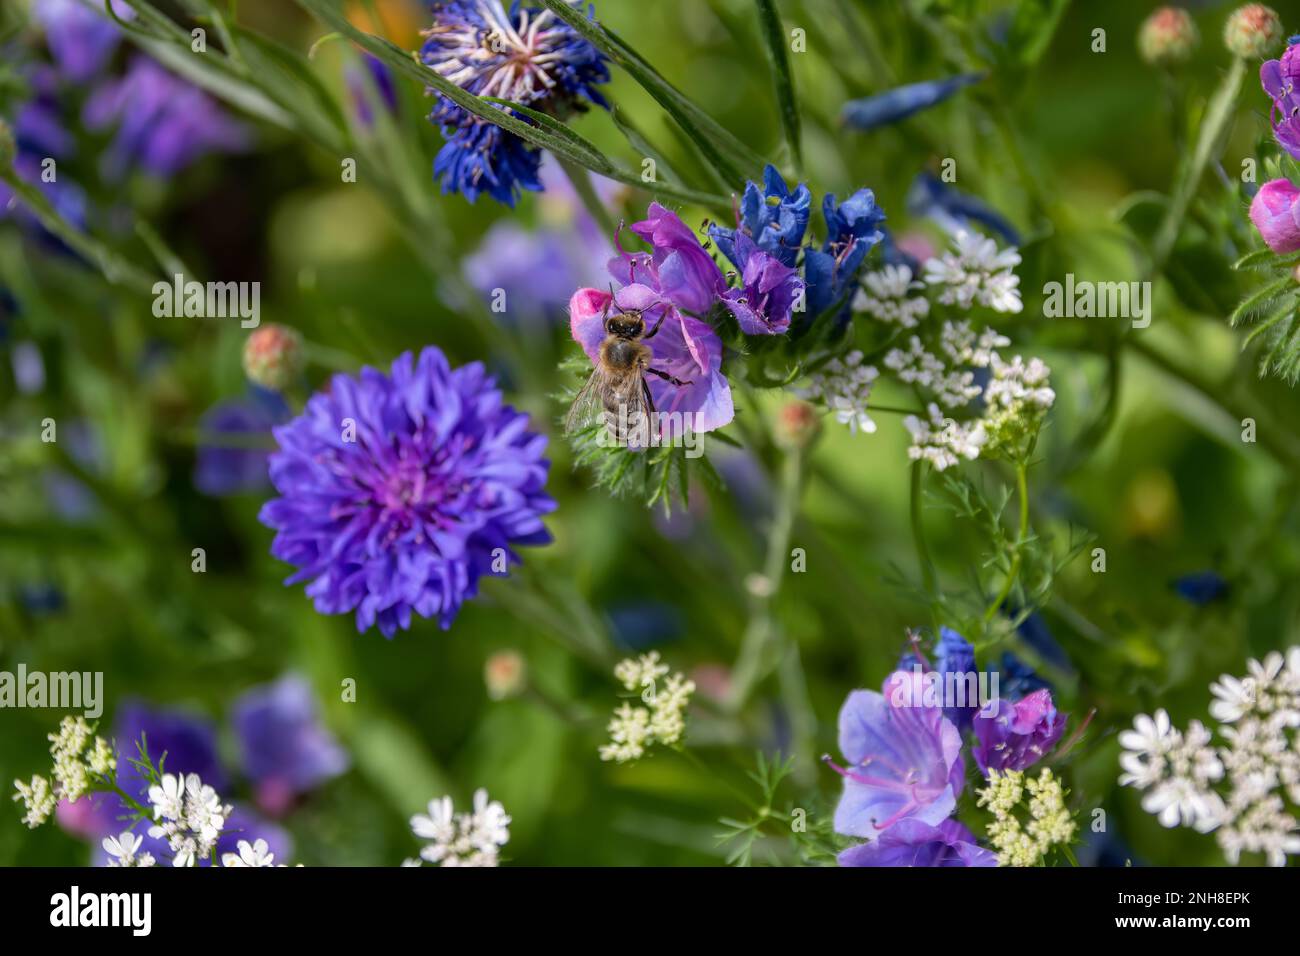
189 815
123 850
886 295
256 853
976 272
844 387
943 441
462 839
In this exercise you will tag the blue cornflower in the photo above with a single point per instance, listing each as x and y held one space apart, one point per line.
526 56
902 101
831 272
399 490
773 216
955 211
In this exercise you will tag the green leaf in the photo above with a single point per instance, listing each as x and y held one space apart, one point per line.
770 22
727 154
1260 300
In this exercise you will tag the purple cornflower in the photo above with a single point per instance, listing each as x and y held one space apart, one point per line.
1281 81
773 216
678 278
901 102
163 123
229 460
913 843
399 491
1018 735
525 55
831 272
904 759
80 35
286 750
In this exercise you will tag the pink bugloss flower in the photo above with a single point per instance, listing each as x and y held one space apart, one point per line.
1273 211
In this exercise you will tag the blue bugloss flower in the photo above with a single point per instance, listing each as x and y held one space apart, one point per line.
524 55
1201 588
955 655
955 211
831 272
902 101
773 216
1017 679
399 491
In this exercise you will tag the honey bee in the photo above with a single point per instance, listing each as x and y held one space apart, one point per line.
617 386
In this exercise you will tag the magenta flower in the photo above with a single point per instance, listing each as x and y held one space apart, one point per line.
679 268
913 843
1274 212
1019 734
904 760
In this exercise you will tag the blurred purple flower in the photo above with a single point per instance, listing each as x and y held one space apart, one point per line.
772 216
163 123
229 461
913 843
399 491
80 34
1018 735
371 78
286 750
40 135
904 759
188 743
902 101
954 655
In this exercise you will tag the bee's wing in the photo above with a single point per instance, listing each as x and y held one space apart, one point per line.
587 406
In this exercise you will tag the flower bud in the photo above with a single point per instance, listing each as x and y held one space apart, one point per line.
1253 31
273 357
504 674
1274 211
797 425
1167 37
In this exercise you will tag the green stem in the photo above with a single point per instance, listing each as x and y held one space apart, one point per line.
918 532
762 630
1013 572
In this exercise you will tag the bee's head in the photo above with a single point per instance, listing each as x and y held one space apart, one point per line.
625 325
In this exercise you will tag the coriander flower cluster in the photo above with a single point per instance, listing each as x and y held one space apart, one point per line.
81 759
124 851
1244 790
462 839
189 815
663 718
976 401
1046 820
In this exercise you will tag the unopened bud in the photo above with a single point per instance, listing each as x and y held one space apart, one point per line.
273 357
1167 37
1253 31
504 674
797 425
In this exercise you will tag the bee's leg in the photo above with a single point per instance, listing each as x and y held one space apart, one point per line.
668 378
651 334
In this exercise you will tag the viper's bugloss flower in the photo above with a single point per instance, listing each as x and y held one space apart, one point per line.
902 101
954 211
1018 735
1276 215
954 655
770 290
1017 679
399 491
1252 31
772 216
677 278
81 36
831 272
525 55
904 759
1281 81
162 123
1167 37
913 843
286 750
